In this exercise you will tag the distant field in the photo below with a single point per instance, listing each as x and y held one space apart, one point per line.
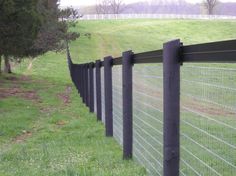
46 130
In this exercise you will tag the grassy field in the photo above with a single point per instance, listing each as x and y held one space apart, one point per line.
46 130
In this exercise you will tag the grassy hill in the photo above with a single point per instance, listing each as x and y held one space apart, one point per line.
46 130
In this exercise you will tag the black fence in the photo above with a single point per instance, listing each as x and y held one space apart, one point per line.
173 130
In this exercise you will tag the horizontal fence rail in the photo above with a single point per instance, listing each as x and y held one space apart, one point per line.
172 110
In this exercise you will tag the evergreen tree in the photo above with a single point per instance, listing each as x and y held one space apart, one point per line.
19 25
33 27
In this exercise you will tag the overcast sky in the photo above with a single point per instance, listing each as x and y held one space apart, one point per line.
91 2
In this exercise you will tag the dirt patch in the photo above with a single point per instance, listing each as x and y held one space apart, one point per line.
17 92
21 138
11 78
18 79
207 108
1 81
60 123
65 96
25 78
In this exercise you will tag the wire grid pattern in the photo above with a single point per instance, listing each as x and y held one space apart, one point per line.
148 117
208 124
117 103
103 95
95 92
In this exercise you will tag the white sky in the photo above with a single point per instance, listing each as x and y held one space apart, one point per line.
91 2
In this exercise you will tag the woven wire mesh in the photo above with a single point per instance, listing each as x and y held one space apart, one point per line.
148 117
117 103
208 124
103 95
95 93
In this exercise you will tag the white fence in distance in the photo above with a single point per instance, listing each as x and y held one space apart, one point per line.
155 16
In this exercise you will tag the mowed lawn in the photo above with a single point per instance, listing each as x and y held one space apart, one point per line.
46 130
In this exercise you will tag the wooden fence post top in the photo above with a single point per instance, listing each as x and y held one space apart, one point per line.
98 63
91 64
171 45
128 55
171 41
108 59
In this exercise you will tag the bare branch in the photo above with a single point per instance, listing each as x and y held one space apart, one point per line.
210 6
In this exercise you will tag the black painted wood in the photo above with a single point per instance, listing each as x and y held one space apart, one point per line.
171 69
91 88
86 85
98 90
108 95
127 92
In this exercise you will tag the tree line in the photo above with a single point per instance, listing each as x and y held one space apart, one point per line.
31 28
153 6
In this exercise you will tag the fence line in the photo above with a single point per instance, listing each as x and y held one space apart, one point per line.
168 128
155 16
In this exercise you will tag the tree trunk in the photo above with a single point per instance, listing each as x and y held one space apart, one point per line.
210 10
0 64
7 68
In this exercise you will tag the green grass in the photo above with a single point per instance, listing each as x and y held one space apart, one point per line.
76 147
65 139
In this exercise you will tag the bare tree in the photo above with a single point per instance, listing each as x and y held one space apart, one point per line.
0 64
116 6
103 6
210 6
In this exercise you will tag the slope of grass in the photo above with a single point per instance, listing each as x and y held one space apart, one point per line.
114 37
53 133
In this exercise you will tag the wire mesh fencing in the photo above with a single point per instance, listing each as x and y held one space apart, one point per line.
117 103
208 124
148 117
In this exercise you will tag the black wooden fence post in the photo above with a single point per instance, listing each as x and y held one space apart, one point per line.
171 68
98 90
79 83
87 84
127 104
108 95
82 82
91 88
